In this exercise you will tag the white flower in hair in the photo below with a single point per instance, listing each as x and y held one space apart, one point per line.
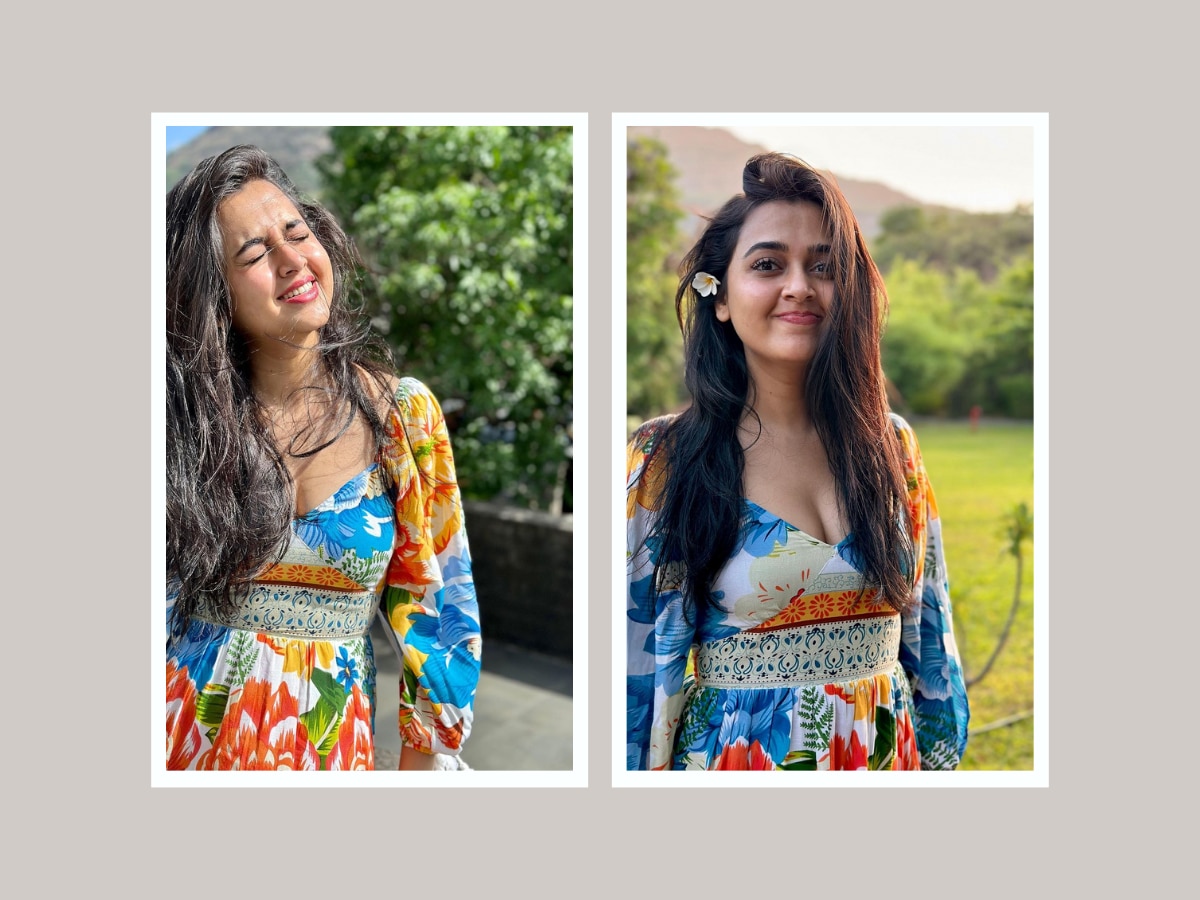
704 284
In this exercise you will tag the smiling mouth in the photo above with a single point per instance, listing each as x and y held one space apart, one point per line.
296 293
801 318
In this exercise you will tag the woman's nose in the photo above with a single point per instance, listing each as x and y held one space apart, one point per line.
797 284
288 257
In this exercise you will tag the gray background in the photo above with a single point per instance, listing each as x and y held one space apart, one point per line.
1122 331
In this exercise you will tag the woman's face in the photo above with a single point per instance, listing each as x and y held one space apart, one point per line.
279 275
779 286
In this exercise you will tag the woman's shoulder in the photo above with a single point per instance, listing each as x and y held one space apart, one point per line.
906 434
899 423
644 468
413 397
914 466
414 409
646 435
405 386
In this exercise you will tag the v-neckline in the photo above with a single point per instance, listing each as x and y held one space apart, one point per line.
348 481
762 509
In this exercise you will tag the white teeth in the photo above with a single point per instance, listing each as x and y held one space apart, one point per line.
298 291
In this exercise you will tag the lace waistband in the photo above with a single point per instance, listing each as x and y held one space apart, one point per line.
802 654
298 612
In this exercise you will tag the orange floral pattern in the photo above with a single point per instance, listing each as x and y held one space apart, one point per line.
262 730
183 737
238 698
743 756
847 755
296 573
355 747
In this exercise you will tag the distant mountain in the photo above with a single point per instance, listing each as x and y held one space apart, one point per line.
710 160
294 147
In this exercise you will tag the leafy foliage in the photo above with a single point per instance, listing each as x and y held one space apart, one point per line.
469 232
949 239
241 656
923 354
816 716
960 332
653 345
696 717
954 341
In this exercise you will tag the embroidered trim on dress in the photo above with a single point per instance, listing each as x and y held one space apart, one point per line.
824 652
299 612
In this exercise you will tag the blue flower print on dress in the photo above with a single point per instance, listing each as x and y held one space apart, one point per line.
764 716
641 592
762 530
934 673
348 520
447 636
199 647
639 695
672 639
848 551
458 566
347 669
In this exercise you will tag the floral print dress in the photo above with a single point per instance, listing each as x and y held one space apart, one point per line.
287 681
795 666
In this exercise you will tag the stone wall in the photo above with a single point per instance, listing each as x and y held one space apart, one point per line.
523 568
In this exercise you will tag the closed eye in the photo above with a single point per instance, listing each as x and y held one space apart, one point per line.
291 239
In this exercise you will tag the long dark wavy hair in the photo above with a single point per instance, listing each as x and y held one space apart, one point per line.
701 504
230 498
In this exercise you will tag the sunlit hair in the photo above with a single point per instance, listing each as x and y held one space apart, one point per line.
701 507
230 498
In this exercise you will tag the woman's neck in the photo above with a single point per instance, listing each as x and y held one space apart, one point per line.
276 373
779 402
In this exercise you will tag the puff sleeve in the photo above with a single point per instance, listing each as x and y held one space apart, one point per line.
928 651
659 633
429 600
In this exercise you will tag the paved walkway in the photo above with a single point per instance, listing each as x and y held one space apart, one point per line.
523 710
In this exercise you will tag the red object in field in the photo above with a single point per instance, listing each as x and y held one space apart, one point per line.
976 412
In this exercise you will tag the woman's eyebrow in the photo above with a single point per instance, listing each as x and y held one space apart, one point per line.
253 242
261 241
766 245
782 247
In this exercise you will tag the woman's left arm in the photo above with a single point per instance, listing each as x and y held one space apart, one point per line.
429 597
928 650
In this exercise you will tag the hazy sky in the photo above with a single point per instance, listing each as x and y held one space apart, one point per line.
181 134
979 168
982 169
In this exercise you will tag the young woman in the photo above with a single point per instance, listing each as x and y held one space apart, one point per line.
308 489
788 606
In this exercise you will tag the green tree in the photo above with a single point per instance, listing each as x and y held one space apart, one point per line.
999 365
924 355
961 330
949 239
654 349
468 230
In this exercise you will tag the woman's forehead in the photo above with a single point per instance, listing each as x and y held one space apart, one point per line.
785 221
255 209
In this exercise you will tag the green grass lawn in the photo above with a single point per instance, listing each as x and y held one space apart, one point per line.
978 477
